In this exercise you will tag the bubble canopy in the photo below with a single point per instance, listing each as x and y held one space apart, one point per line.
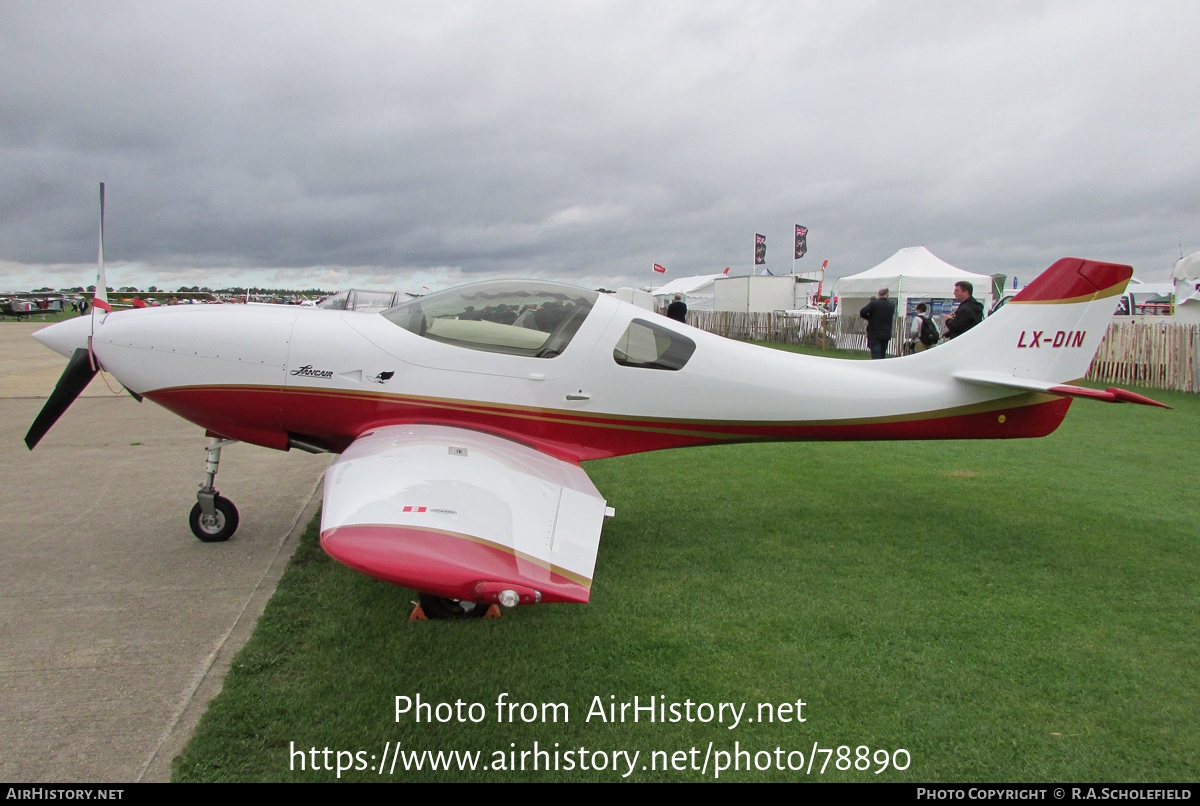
516 317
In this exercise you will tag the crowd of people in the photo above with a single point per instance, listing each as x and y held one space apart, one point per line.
880 313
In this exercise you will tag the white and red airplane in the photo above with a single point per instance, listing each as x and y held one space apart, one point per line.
461 417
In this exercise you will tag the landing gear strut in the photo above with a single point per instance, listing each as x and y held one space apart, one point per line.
213 519
439 607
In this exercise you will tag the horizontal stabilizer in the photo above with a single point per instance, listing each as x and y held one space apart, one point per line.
1109 395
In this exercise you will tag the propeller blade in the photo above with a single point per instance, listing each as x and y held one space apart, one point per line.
75 377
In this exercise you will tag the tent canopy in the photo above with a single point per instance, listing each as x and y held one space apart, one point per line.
914 271
1187 268
688 285
1187 289
697 291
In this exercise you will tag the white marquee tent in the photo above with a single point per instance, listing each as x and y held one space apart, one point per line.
1187 289
912 273
697 291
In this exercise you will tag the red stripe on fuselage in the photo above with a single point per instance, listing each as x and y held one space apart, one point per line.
334 419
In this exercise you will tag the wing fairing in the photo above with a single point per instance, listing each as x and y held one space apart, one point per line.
457 513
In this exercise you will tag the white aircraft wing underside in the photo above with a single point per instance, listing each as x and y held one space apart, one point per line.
463 514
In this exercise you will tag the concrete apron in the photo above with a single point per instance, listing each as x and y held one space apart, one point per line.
116 624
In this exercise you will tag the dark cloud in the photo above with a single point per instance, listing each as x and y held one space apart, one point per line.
586 140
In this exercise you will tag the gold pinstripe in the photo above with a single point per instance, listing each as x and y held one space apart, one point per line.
1111 291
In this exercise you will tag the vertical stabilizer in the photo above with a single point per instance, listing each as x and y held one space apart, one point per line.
1051 330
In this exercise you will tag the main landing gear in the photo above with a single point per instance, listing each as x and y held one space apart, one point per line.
432 608
213 519
494 594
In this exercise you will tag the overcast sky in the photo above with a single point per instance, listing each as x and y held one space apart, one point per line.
398 145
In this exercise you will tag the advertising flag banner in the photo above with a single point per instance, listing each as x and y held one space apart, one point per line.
760 250
801 241
659 269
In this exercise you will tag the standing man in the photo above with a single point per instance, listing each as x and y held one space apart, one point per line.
924 333
879 313
677 310
968 313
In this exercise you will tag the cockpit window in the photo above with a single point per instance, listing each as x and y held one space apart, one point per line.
652 346
515 317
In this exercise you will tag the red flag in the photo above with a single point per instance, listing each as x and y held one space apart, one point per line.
659 269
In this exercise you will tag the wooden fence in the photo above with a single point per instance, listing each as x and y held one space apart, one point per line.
1153 354
770 327
827 331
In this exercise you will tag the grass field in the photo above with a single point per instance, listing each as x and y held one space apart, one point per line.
1003 611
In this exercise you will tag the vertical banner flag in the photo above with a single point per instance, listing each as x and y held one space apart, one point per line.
659 269
801 241
760 250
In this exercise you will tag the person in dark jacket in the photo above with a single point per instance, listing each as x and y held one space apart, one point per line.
879 313
677 310
968 313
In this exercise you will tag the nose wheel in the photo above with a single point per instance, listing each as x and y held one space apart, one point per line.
213 519
219 526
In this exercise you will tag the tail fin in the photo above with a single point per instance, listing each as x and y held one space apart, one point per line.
1047 335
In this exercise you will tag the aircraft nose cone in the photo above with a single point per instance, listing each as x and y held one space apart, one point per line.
65 337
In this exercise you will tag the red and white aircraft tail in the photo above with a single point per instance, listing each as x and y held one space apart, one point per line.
1045 338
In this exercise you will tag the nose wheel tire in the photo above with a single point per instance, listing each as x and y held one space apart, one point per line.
218 528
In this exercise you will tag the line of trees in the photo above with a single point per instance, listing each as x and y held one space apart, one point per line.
195 289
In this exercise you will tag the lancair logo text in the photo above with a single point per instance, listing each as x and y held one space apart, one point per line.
308 372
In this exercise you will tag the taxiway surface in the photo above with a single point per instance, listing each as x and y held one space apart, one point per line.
116 624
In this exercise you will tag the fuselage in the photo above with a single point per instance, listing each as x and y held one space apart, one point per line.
285 376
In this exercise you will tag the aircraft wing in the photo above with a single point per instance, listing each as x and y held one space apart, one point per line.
463 514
